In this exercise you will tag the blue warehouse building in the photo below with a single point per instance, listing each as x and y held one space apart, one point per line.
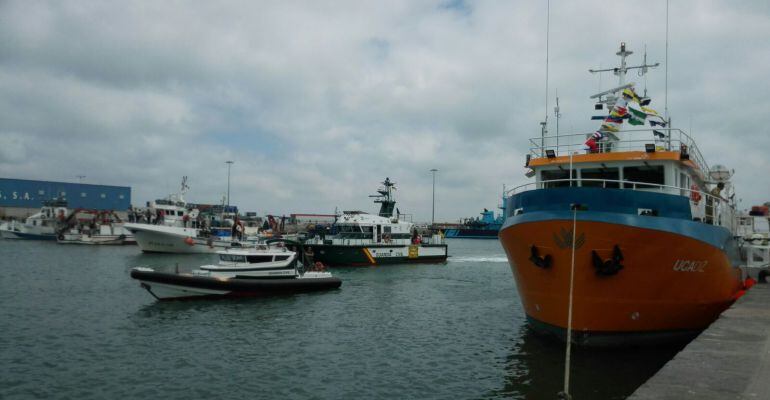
20 196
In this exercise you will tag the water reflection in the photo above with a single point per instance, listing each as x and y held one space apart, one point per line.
535 369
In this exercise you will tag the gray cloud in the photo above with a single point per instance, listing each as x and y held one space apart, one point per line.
317 103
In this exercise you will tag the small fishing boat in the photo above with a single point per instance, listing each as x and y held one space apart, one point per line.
274 267
94 227
39 226
84 238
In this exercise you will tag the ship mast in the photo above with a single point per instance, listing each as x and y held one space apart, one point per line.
385 198
620 72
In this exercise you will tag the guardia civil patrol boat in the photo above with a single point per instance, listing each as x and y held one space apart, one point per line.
363 239
631 221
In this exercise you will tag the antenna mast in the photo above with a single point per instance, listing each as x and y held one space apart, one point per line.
666 97
544 124
621 74
557 114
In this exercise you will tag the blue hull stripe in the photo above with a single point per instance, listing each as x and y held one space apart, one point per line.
716 236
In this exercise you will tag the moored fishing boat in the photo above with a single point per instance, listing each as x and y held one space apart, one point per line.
39 226
364 239
82 238
180 228
93 227
265 269
639 221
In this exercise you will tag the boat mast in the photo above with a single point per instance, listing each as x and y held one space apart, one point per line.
385 198
621 74
544 124
557 115
665 111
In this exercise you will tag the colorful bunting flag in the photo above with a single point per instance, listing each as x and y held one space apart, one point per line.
636 116
592 146
609 127
630 95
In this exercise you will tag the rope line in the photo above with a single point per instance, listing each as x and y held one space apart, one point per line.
568 352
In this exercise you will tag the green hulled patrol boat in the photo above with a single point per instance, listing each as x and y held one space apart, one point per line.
361 239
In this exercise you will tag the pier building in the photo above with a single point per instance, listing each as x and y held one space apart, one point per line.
20 198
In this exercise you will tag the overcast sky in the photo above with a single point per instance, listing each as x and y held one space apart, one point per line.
318 102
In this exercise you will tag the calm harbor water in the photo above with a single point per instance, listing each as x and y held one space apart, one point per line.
74 325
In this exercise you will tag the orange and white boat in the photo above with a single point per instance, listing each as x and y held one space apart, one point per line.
651 226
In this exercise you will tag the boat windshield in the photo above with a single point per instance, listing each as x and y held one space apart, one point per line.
232 258
354 231
259 259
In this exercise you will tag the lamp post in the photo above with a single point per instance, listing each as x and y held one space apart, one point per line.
229 164
433 210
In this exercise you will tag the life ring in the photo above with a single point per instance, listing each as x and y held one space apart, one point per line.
695 193
60 237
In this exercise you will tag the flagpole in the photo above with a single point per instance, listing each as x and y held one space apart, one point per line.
544 124
666 96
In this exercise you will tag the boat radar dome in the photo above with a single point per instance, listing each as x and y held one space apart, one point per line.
720 173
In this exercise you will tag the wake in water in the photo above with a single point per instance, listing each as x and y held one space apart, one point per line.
493 259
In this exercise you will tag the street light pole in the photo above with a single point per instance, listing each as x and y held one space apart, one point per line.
229 164
433 210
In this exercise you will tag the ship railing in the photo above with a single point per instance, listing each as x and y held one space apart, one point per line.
354 242
710 209
432 239
621 141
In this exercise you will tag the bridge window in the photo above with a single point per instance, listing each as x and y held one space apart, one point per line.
562 176
281 258
651 174
595 177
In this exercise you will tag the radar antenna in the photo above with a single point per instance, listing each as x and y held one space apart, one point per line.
384 196
620 72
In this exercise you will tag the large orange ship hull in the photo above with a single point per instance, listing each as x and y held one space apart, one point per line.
670 286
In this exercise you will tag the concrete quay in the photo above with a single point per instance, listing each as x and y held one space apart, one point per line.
729 360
